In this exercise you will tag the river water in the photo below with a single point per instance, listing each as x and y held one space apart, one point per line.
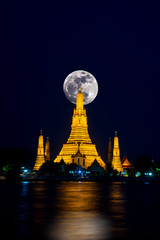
79 210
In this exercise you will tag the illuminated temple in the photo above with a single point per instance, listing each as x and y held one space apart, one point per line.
116 162
79 148
40 153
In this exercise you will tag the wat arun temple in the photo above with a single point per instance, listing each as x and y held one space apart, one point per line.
79 143
79 148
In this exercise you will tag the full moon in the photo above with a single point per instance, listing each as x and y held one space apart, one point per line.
88 83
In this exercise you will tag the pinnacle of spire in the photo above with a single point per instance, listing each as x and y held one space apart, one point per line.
79 101
79 89
40 132
116 141
109 145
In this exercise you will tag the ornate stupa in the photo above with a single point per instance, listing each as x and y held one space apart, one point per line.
116 162
47 150
109 151
40 153
79 142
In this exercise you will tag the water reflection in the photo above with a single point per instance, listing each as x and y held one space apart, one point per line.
72 210
77 214
117 203
63 210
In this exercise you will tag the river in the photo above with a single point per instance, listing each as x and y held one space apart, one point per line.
79 210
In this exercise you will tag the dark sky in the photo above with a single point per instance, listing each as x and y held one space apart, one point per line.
118 42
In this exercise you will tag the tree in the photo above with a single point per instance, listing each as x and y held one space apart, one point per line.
71 167
12 159
144 163
110 171
49 167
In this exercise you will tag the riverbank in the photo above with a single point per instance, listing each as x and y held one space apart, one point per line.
90 179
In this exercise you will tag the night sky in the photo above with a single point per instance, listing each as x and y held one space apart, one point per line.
118 42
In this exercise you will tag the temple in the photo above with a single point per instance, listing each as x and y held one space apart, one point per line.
126 164
116 162
79 148
40 153
47 150
109 151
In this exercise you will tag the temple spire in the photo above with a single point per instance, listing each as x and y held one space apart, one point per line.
109 151
116 162
79 128
40 153
79 145
79 101
47 150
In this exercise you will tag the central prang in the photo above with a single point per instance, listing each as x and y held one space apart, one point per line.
79 148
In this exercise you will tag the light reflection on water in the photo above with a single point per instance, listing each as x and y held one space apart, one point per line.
117 202
72 210
78 216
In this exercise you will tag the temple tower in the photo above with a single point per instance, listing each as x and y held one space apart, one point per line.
110 151
79 141
79 127
47 150
116 162
40 153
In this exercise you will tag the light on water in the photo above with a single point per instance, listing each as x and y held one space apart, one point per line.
78 216
80 211
80 225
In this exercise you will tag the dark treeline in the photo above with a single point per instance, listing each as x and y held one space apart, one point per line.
12 159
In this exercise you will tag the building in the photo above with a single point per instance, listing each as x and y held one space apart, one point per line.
79 158
116 161
40 153
126 164
109 151
79 145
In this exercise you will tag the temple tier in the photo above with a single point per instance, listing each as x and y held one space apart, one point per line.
79 140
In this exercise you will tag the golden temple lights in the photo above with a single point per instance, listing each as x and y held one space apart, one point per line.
40 153
79 139
116 162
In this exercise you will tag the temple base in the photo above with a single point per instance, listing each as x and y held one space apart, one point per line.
39 161
117 165
89 150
